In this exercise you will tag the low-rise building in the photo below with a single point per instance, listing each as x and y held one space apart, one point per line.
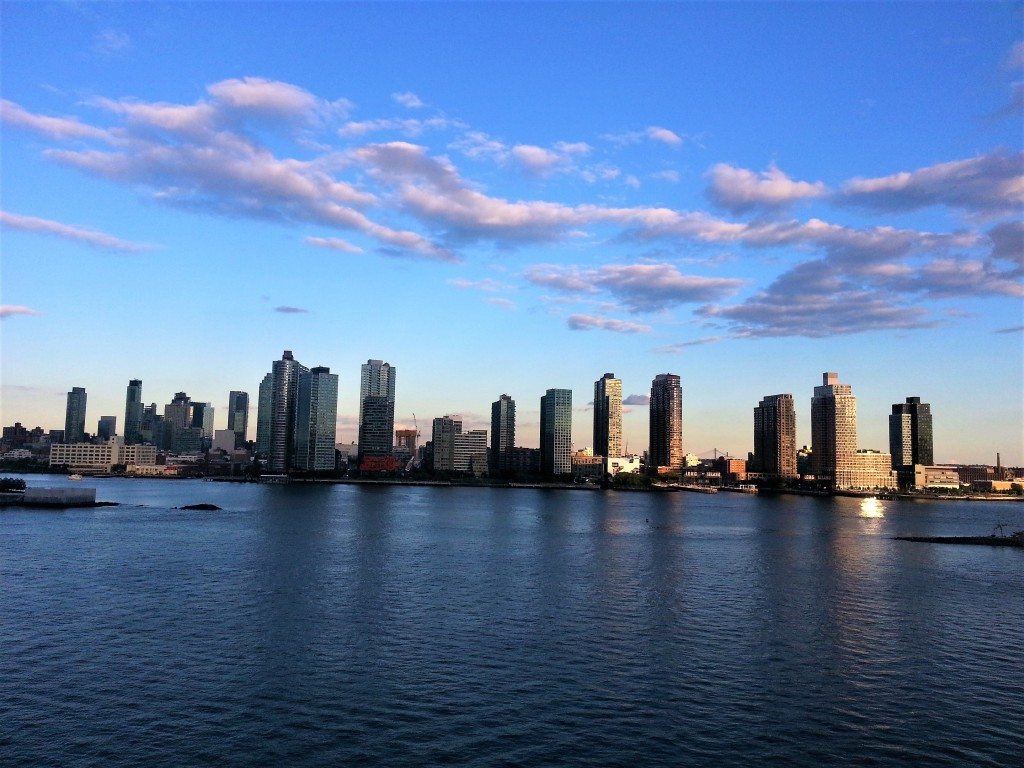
470 451
614 465
101 458
870 469
586 465
923 477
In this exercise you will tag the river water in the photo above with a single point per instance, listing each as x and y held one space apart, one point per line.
406 626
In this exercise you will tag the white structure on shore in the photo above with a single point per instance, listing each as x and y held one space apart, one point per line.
101 457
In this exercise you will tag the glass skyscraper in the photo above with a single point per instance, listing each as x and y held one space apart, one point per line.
556 432
316 413
238 416
74 418
608 416
503 435
282 412
910 434
133 413
376 408
264 406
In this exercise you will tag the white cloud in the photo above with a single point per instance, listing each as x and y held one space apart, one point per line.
9 310
68 232
740 190
408 99
591 322
333 243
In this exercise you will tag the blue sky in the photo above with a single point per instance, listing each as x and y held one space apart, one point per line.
507 198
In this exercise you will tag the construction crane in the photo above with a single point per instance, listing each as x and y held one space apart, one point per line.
416 426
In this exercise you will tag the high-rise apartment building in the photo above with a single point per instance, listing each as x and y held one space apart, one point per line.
238 416
503 435
556 432
443 439
834 432
133 413
666 422
775 437
107 427
910 434
74 418
264 408
376 408
282 412
608 416
151 429
316 413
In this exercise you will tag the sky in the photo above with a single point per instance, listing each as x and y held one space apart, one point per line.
506 198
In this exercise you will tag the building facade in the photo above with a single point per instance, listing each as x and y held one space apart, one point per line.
775 437
282 412
106 428
316 416
238 416
264 408
376 408
503 435
608 416
833 432
74 417
910 434
102 457
666 423
470 451
556 432
445 428
133 409
871 470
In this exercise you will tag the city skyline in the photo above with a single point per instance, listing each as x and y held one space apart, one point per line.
661 200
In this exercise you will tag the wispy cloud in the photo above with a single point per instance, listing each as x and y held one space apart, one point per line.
487 284
500 302
286 310
740 190
333 243
9 310
640 287
91 237
637 400
590 322
408 99
674 349
654 133
110 42
1011 329
989 184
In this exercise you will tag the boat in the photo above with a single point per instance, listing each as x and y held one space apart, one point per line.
75 477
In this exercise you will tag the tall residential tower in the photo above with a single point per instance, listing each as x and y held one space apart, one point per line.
316 414
834 432
775 437
503 435
666 423
910 434
238 416
608 416
376 408
282 412
556 432
74 417
133 413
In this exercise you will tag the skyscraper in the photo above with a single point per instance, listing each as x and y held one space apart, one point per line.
107 427
74 418
282 412
775 436
133 413
503 435
910 434
833 432
608 416
238 416
666 422
264 406
316 413
376 408
202 418
556 432
443 439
